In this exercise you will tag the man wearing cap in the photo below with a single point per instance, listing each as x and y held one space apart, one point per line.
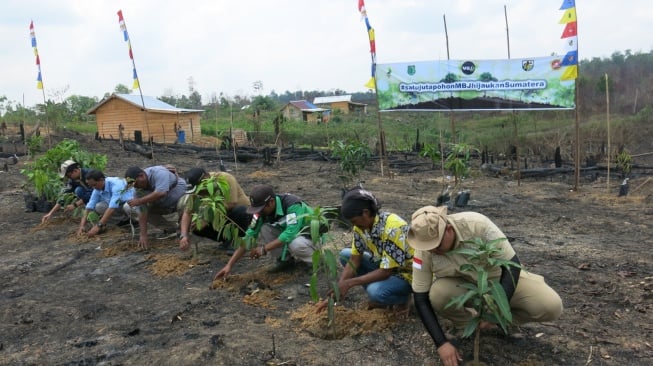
158 193
109 194
277 224
76 185
437 276
235 201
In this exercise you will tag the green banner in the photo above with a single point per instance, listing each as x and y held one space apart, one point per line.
529 83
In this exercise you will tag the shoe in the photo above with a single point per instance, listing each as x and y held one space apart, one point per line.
283 266
226 247
165 234
126 222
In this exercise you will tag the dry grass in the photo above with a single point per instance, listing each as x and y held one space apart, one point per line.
347 323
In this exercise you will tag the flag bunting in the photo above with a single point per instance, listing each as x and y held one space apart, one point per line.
371 84
123 29
32 35
569 63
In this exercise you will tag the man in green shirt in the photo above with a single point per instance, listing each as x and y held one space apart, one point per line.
277 226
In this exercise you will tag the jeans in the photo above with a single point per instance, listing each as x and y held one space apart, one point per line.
83 194
394 290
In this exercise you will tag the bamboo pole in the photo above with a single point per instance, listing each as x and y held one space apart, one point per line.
514 113
607 116
451 116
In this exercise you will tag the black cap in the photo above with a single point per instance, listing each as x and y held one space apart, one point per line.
260 195
194 176
133 172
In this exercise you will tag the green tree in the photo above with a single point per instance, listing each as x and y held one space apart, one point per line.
354 156
121 89
486 297
78 105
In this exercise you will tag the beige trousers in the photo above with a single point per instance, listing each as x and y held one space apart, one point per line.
533 300
301 248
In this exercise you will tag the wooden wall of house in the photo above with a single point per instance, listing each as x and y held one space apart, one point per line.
311 118
342 106
291 112
161 125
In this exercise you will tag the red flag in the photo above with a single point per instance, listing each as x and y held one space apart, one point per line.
570 30
361 5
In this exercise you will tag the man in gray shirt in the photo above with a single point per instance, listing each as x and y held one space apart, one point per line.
158 192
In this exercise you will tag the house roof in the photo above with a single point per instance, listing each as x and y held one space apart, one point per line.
306 106
150 103
332 99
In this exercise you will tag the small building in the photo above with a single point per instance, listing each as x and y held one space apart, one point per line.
303 110
342 103
159 121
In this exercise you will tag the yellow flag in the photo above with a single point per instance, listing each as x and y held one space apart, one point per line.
136 84
569 16
570 73
371 84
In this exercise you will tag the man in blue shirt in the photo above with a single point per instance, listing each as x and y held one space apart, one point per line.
109 194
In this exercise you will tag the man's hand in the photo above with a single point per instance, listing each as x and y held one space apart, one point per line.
45 218
80 231
143 242
134 202
184 243
92 231
449 354
69 208
224 272
322 305
257 252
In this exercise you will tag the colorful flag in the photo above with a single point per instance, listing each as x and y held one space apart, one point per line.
569 16
570 30
32 35
123 28
571 58
570 73
371 84
566 4
569 63
571 44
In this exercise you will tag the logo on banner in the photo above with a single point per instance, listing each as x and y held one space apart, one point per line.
411 70
527 65
468 68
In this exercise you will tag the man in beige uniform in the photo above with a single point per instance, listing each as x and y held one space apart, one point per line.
437 277
235 203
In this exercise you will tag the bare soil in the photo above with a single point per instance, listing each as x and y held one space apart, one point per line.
73 301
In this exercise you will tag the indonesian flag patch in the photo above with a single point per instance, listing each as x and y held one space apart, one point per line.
417 263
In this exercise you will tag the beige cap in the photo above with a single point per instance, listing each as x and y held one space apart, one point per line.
427 227
63 169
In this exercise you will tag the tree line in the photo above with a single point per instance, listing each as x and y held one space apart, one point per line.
629 85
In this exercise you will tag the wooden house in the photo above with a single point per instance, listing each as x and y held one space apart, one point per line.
303 110
340 103
159 121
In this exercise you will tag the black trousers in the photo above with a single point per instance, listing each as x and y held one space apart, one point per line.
238 215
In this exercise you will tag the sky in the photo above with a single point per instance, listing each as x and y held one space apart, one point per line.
220 46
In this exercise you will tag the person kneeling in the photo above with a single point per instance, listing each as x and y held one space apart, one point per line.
379 258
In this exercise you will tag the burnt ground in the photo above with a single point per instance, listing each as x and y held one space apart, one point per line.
71 301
